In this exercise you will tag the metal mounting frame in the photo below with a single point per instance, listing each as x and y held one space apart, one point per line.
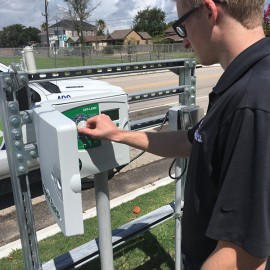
10 83
13 120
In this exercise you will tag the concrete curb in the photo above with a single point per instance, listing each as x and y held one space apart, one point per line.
54 229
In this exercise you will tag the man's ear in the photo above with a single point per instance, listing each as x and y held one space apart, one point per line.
212 10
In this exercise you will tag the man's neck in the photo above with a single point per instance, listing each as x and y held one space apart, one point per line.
236 41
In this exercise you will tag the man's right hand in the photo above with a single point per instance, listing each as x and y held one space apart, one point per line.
100 127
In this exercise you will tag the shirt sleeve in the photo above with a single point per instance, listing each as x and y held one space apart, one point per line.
242 211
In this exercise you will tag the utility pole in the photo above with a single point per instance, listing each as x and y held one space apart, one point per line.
47 27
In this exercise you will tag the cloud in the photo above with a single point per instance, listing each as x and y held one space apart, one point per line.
123 8
118 14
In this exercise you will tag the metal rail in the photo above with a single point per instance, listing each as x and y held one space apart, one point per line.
156 94
109 70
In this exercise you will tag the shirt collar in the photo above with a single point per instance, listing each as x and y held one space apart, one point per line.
242 63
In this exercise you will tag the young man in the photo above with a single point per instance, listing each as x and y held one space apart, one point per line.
226 220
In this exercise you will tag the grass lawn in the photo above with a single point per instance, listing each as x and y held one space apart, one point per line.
151 250
60 61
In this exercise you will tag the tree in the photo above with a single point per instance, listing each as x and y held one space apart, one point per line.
79 11
151 21
32 34
43 27
266 21
101 25
17 35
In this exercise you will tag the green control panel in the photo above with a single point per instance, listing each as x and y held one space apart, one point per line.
79 115
96 155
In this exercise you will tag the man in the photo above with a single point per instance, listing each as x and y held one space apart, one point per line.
226 220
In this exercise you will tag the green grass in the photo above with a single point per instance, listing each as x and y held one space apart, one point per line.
60 61
151 250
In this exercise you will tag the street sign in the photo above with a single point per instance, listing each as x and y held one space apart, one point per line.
62 37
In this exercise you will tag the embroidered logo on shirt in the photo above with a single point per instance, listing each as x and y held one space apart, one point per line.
197 135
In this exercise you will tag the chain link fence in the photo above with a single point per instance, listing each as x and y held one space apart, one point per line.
76 56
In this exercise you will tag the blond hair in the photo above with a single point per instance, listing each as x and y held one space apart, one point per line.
248 12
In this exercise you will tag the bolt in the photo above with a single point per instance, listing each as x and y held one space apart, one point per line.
23 79
187 64
16 134
33 154
21 169
15 121
13 108
18 144
27 118
8 81
20 157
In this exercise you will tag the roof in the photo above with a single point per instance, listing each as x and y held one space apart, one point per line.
171 34
144 35
95 38
72 39
69 25
120 34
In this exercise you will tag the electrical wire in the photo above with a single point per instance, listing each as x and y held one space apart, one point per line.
184 170
118 169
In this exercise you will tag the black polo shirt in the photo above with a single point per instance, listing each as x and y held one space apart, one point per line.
227 192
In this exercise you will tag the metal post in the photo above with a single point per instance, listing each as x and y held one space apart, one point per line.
188 98
47 28
180 166
104 221
18 169
178 228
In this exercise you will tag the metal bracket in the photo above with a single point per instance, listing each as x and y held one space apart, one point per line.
178 216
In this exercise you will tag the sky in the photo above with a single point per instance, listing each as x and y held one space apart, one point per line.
117 14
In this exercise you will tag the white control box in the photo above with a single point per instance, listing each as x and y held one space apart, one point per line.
66 156
58 155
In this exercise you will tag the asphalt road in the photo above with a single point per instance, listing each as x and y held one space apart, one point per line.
206 78
147 169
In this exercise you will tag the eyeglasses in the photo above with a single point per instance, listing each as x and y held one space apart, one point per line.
178 26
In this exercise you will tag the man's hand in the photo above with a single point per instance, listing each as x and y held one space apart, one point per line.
100 127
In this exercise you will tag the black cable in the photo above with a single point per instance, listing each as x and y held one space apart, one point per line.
118 169
184 170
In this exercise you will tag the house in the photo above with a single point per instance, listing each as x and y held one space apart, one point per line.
96 41
63 34
72 42
61 31
128 37
146 38
172 37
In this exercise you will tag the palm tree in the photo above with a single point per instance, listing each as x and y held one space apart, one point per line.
101 25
